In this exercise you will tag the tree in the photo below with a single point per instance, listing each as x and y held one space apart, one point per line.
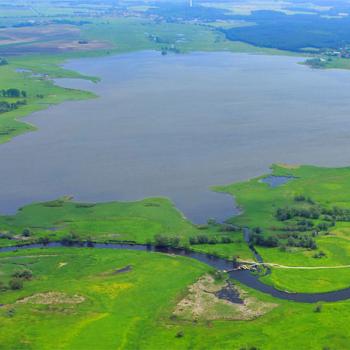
26 232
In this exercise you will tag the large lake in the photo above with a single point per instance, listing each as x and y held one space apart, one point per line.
174 126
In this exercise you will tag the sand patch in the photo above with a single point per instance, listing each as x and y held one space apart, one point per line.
203 303
51 298
61 264
288 166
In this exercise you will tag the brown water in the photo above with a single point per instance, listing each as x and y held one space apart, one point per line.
175 125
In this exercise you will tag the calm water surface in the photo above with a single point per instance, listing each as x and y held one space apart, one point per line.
175 125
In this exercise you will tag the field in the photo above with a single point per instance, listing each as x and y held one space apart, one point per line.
83 299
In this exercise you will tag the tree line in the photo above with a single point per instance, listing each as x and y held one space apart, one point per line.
13 93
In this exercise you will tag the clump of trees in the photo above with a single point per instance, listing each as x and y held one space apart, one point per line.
287 213
270 241
17 280
206 239
24 274
302 198
14 93
335 214
10 106
163 241
71 239
229 228
3 61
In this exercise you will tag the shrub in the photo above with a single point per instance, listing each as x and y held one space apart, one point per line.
44 240
71 239
3 286
16 284
163 241
318 308
257 230
25 274
179 334
226 239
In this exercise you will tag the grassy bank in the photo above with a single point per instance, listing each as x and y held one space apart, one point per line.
83 299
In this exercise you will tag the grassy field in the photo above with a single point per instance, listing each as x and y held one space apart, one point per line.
325 188
128 221
79 299
115 221
140 34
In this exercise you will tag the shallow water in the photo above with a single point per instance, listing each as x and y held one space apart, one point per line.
276 181
174 126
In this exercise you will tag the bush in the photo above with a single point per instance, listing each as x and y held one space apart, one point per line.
44 240
16 284
25 274
270 241
226 240
212 240
299 198
229 228
163 241
258 230
318 308
3 286
71 239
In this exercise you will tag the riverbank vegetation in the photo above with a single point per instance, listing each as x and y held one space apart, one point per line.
153 220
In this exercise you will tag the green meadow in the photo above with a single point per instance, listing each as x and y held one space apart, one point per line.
137 222
322 189
83 299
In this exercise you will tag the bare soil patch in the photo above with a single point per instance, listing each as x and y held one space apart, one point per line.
45 39
50 298
211 300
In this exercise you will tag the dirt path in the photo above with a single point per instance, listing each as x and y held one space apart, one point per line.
296 267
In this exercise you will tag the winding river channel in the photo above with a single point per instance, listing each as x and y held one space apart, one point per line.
243 276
